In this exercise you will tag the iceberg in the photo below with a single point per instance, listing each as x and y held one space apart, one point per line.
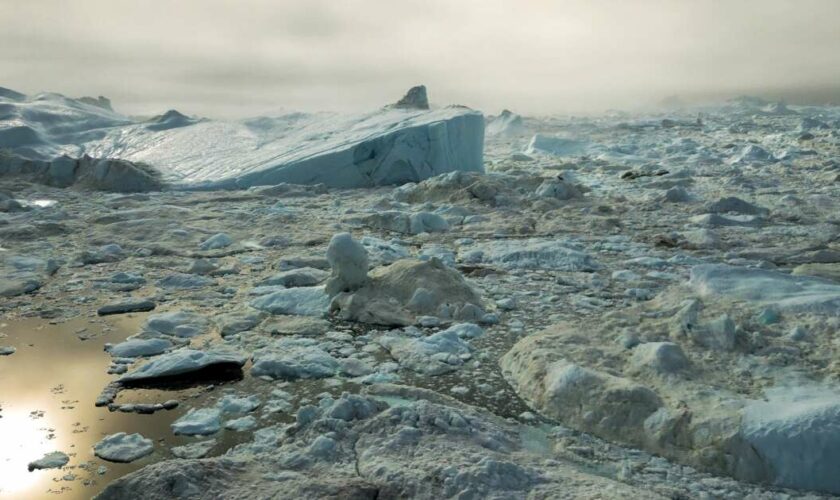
393 145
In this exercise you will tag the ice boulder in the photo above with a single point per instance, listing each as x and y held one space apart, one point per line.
381 252
198 422
583 398
764 288
232 404
241 424
406 222
796 432
302 301
135 348
177 323
530 254
558 189
217 241
292 359
752 153
184 362
659 357
123 448
349 262
294 278
198 449
20 274
399 293
737 205
436 354
52 460
183 281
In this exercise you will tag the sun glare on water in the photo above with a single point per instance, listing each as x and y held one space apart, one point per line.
22 440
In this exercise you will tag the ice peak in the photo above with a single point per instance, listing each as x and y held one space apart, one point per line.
415 98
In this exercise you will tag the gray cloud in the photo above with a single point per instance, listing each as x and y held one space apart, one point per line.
237 58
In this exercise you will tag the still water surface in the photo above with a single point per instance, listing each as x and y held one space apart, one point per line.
47 393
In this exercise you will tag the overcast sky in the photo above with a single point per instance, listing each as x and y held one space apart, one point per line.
233 58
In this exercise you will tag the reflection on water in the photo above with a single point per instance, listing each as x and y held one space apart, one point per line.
47 393
22 437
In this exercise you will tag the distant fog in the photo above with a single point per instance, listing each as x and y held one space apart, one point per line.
234 58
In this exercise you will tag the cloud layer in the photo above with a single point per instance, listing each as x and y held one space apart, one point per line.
239 58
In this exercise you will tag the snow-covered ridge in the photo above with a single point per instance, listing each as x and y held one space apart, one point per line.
391 145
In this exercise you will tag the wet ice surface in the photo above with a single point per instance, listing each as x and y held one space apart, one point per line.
685 274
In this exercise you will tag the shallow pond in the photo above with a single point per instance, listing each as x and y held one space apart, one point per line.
47 393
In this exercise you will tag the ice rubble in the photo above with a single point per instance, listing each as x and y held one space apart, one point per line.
356 447
582 267
406 142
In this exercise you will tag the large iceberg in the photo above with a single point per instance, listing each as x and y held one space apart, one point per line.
392 145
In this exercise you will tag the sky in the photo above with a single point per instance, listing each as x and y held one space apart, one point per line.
237 58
